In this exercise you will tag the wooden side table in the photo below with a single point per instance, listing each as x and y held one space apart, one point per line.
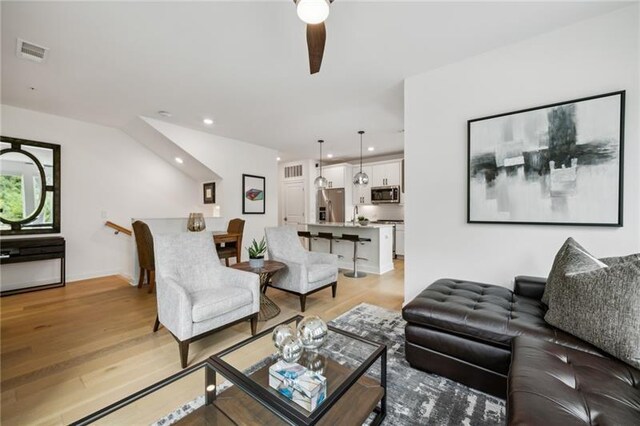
268 309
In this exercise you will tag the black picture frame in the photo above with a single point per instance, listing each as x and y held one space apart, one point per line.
253 194
25 226
620 156
209 193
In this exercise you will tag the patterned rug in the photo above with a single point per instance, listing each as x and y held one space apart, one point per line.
414 397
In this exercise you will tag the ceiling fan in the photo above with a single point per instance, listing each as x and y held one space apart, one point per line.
314 13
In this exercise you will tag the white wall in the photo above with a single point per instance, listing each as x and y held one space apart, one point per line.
230 158
103 171
588 58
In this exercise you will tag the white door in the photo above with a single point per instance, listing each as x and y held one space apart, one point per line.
294 204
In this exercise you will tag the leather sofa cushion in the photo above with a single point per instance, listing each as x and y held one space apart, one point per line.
551 384
484 312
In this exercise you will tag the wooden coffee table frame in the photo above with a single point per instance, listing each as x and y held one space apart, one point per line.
280 406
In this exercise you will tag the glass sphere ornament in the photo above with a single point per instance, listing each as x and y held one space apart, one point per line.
361 178
291 349
280 333
313 332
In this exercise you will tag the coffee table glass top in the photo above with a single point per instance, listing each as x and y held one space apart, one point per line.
343 360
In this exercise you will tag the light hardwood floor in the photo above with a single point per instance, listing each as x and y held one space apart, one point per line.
68 352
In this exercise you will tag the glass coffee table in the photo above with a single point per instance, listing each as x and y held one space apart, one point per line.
232 388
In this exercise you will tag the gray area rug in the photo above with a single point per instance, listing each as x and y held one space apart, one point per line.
414 397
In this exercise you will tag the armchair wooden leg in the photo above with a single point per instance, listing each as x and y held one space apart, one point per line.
156 326
334 288
226 262
254 324
184 352
303 302
141 279
152 281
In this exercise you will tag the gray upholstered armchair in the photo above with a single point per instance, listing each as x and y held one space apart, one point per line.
306 272
196 294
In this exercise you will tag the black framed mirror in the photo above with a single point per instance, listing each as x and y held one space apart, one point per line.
29 187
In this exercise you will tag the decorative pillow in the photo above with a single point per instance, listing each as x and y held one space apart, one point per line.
571 258
610 261
602 307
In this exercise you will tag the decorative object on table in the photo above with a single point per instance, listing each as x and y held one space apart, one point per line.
291 349
313 361
320 182
280 333
256 253
296 383
363 220
313 332
209 193
253 188
196 222
558 164
361 177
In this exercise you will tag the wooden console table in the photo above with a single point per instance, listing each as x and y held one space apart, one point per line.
20 250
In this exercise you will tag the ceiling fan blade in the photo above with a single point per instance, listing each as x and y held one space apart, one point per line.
316 37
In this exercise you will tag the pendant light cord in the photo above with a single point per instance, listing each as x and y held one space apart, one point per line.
361 132
320 142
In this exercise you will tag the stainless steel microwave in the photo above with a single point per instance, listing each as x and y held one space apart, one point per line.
385 194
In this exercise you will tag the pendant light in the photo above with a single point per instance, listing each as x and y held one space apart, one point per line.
321 181
361 177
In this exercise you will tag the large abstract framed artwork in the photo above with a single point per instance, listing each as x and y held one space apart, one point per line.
253 194
559 164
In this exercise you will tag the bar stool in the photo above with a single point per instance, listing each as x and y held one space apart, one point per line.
356 239
327 236
307 235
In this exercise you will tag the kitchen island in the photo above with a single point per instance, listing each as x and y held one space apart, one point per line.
377 254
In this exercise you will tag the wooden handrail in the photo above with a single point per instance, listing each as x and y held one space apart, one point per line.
118 228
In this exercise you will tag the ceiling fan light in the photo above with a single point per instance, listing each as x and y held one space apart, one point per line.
312 11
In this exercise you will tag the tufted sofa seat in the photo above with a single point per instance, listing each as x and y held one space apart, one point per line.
496 340
463 330
551 384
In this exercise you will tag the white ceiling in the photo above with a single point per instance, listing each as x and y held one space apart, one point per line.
245 63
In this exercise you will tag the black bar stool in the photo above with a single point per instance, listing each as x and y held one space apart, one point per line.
356 239
327 236
307 235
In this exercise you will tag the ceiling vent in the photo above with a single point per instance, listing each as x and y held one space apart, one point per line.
33 52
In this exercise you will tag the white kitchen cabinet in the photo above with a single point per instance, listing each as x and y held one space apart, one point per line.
386 174
335 176
362 193
400 240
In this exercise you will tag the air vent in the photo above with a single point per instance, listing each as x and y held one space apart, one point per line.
293 171
31 51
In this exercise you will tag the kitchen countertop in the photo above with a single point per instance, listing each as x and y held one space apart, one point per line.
350 225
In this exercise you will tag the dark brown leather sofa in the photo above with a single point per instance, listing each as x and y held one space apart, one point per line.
496 340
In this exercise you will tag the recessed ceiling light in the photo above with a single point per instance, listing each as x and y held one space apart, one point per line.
371 148
329 155
207 121
164 113
179 160
277 158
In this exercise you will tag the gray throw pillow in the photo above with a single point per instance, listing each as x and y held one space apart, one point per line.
602 307
610 261
571 258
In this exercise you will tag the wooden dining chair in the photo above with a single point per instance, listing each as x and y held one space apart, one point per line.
146 260
230 250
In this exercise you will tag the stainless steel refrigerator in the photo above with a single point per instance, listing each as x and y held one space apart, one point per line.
330 205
